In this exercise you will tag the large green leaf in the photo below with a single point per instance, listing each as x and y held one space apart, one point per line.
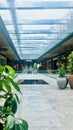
14 85
6 85
10 121
1 110
25 124
1 86
17 98
11 104
1 69
11 71
21 127
16 127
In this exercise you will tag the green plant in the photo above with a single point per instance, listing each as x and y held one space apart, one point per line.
61 71
35 66
9 101
70 63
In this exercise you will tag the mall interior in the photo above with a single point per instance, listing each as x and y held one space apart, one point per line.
36 37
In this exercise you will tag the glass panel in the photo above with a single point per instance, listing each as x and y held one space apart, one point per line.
22 1
34 41
15 42
35 27
33 46
6 15
43 14
33 36
10 28
43 28
3 3
13 36
42 4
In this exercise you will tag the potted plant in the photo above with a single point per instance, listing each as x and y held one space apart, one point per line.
70 69
62 80
9 101
35 67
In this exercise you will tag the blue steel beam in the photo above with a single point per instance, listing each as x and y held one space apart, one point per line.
13 13
41 5
44 21
39 38
38 32
36 42
40 22
57 45
5 33
42 32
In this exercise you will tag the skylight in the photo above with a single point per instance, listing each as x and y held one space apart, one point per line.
36 26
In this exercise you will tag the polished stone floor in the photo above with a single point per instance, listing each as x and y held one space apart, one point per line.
45 107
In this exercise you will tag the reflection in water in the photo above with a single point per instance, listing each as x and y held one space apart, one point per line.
31 81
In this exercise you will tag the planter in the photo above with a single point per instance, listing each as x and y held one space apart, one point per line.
70 80
62 82
70 69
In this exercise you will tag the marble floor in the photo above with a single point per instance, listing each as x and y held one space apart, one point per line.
45 107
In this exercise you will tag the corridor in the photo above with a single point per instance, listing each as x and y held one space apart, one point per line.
45 106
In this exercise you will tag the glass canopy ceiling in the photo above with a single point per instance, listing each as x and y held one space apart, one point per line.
36 26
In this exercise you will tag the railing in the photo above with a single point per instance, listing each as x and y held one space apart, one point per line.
37 71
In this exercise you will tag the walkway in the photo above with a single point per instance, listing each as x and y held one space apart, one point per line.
46 107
